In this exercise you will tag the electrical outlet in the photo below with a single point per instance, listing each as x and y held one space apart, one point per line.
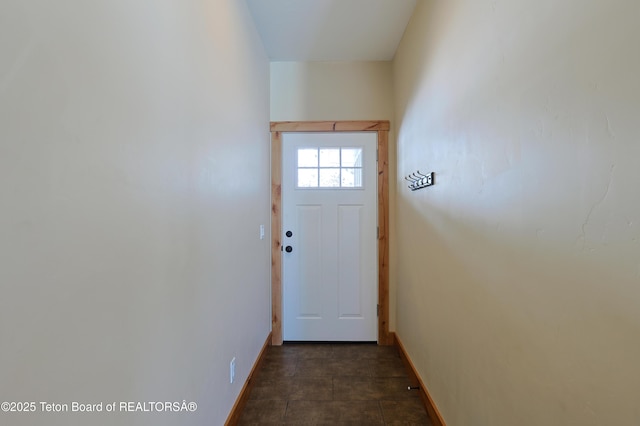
232 370
262 232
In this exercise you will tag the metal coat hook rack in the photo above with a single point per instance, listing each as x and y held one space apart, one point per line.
419 181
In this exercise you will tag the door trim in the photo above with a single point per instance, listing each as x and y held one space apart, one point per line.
382 129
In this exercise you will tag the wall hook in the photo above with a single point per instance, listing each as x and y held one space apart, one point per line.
419 180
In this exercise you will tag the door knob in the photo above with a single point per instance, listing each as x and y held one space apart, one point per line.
288 249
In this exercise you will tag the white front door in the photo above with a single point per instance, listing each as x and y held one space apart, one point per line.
329 199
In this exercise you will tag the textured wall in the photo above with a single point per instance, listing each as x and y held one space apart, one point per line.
518 274
132 136
331 91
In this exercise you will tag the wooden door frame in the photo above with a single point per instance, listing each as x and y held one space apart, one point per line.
382 130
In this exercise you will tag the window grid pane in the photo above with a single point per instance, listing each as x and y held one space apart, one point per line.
307 178
308 157
330 157
352 157
329 178
351 177
329 168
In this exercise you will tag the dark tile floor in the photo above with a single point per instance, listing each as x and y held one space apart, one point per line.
333 384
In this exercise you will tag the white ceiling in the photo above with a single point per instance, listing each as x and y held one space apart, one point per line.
331 30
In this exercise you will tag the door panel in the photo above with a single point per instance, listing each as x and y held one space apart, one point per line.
349 255
307 262
329 205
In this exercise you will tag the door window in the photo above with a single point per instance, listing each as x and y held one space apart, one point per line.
329 168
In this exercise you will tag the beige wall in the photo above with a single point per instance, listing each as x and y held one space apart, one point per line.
331 91
519 278
132 135
310 91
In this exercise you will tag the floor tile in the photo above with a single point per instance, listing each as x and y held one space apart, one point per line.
263 412
277 367
371 388
294 388
333 413
405 412
312 388
275 389
281 352
306 350
386 367
363 350
332 367
280 349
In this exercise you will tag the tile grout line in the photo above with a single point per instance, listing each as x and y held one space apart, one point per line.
333 388
286 408
381 413
294 376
